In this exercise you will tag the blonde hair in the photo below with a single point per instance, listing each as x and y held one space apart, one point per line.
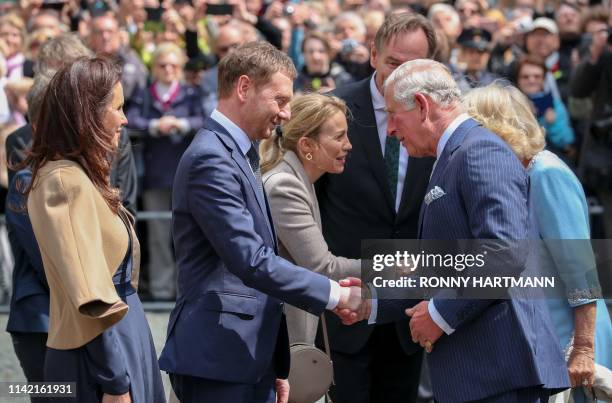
16 22
507 112
168 48
308 113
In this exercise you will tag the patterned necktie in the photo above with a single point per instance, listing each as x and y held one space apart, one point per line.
392 164
253 156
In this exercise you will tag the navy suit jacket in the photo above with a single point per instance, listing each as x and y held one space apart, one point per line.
227 323
30 300
497 345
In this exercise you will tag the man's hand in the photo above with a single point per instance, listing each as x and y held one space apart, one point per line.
124 398
350 298
424 330
351 316
282 391
360 54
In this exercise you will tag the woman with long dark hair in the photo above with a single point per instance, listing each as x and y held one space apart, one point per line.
98 334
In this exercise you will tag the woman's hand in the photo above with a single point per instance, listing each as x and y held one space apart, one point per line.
124 398
581 367
581 364
550 116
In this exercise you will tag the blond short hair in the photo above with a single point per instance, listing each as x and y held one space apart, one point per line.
507 112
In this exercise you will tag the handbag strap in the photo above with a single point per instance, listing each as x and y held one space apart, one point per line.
325 336
327 350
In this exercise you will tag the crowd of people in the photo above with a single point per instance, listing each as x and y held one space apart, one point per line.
281 135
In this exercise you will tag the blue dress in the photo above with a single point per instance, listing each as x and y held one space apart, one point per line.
122 358
558 205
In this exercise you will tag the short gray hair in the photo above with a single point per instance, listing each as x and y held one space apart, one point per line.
60 51
444 8
427 77
354 18
37 92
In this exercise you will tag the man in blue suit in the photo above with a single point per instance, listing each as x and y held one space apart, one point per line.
227 337
480 350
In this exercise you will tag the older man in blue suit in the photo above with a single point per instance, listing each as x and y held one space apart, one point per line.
227 337
480 350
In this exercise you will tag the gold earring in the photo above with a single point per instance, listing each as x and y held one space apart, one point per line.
308 156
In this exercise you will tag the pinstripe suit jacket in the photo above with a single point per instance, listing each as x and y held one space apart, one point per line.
497 345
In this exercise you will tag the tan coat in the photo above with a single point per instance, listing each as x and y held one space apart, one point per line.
82 244
295 212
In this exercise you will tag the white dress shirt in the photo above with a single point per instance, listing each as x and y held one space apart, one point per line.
378 103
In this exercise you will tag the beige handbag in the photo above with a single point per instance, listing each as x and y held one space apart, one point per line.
312 372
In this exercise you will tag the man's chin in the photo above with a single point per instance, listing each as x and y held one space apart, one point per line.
264 134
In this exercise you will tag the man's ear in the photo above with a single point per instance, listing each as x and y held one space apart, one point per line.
243 86
422 104
373 55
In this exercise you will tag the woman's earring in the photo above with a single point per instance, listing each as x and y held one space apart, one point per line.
308 156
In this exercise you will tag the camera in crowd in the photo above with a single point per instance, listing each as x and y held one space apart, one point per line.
348 46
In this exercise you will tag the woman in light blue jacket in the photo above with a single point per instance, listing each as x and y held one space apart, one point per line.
559 210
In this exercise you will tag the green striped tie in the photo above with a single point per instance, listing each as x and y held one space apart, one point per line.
392 148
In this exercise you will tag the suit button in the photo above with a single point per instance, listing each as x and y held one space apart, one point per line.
396 233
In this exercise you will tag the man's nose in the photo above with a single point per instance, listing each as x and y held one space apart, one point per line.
285 113
391 127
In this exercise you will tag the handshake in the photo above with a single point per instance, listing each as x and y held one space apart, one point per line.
356 305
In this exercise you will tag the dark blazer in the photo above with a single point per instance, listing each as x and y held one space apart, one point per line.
498 345
357 204
30 299
162 154
228 324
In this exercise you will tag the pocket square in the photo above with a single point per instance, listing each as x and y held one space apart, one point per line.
434 194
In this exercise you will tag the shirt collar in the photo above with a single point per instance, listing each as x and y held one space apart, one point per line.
378 101
449 131
239 136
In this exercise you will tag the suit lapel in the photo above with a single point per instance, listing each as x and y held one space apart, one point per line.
454 142
418 169
291 159
364 123
241 161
